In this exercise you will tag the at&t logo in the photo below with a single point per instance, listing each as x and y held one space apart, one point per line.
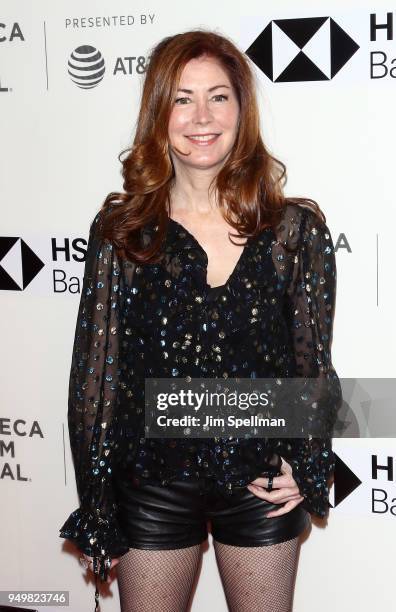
86 67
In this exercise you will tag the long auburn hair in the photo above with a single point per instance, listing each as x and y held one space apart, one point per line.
249 186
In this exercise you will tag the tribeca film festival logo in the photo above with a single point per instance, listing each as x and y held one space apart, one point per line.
86 66
317 48
8 428
9 34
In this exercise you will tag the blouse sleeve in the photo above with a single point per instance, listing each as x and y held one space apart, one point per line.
309 310
92 399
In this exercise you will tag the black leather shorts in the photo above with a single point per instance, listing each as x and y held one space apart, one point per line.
175 516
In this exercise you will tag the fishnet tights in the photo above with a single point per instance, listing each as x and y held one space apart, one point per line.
255 579
157 580
258 578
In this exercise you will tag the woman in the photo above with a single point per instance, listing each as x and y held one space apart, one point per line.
167 294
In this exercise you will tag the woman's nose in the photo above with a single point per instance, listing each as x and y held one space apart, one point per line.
202 112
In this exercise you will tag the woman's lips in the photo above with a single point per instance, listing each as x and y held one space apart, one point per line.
203 142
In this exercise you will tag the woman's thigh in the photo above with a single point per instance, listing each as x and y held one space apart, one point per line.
257 555
151 580
258 578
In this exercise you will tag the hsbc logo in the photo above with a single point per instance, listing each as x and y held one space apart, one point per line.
44 265
345 481
19 265
303 49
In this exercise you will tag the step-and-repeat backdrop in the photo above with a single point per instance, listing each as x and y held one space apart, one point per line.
327 97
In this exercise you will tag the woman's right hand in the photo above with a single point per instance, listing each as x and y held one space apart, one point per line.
89 560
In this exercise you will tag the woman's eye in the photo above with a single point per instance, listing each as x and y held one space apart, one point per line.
182 100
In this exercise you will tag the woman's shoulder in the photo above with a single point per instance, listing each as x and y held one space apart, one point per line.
99 217
97 225
300 211
298 219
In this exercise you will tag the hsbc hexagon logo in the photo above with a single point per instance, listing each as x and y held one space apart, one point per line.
19 265
303 49
345 481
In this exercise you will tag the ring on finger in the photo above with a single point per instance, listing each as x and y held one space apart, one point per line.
270 482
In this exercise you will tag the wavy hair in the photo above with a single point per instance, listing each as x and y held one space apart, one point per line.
248 187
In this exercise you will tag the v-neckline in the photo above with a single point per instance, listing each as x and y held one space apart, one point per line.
210 288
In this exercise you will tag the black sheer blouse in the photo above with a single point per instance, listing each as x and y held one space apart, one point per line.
272 318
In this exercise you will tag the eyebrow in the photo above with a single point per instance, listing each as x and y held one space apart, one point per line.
190 91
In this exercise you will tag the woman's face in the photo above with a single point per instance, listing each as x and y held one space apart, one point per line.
205 105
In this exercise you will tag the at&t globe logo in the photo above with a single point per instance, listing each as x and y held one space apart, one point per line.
86 66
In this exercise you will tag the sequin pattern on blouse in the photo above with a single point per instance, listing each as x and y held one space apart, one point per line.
272 318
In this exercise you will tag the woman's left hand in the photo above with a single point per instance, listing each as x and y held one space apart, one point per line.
285 490
88 564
